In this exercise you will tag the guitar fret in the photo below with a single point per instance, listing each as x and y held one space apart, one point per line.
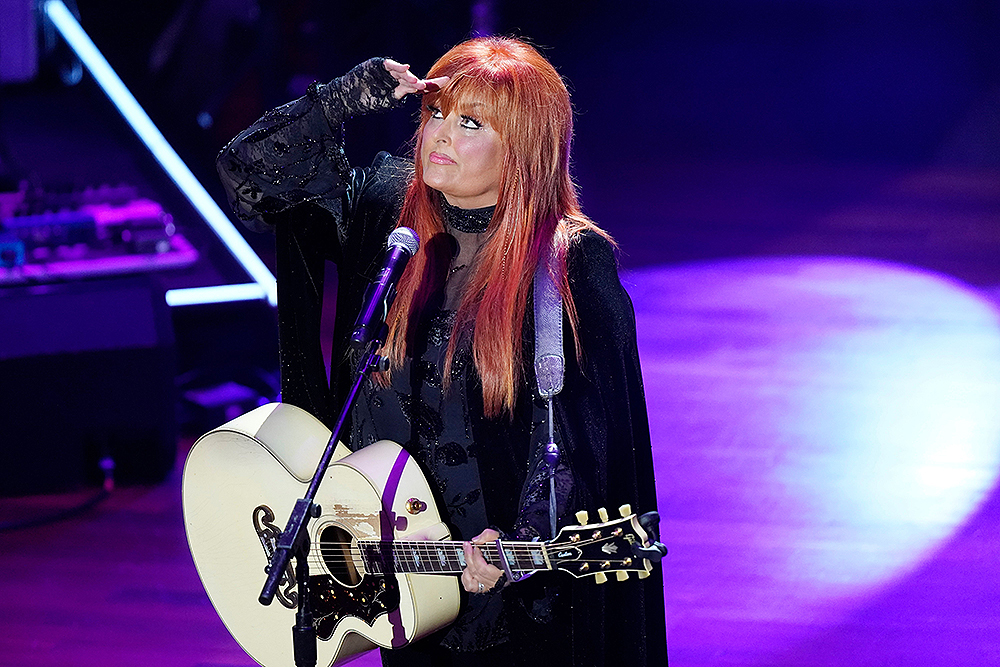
410 557
521 556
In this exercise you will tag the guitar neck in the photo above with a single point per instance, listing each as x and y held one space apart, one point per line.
445 557
618 546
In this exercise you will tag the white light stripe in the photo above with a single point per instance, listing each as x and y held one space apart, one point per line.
193 296
112 85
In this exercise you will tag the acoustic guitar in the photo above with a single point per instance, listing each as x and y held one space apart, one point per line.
377 550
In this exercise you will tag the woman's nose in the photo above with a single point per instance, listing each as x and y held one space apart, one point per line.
442 133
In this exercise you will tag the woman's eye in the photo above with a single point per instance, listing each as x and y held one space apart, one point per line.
471 123
435 112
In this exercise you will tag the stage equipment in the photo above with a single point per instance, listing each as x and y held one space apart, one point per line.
264 285
89 238
86 373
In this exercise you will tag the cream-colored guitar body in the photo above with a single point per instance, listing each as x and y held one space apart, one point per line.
240 484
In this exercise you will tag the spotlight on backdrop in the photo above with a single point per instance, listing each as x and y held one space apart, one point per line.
18 41
30 45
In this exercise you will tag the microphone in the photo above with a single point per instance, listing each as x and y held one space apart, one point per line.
402 245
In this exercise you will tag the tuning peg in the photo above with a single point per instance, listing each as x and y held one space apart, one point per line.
643 574
625 510
582 517
600 577
603 513
621 575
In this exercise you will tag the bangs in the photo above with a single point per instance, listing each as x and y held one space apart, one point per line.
473 95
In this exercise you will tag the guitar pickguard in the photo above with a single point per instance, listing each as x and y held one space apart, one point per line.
368 600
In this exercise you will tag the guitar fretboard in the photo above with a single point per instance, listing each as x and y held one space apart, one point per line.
428 557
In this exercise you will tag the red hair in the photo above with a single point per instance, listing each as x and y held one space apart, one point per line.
524 99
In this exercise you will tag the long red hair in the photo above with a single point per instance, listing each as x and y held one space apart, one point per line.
525 100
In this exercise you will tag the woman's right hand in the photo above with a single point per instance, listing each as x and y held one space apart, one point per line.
408 82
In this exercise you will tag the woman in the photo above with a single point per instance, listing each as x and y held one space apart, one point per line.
490 196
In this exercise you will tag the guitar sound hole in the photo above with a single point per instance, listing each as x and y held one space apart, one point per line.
335 547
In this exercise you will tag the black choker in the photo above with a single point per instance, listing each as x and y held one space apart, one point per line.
468 220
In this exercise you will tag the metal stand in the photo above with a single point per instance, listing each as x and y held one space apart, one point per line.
295 539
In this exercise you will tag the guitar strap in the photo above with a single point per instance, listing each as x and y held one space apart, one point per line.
550 364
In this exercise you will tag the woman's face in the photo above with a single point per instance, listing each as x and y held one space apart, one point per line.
461 157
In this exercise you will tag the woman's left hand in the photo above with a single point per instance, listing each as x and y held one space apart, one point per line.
478 575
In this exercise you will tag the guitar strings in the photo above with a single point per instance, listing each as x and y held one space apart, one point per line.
454 568
350 552
432 546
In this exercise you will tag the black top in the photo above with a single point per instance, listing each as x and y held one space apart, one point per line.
287 173
433 422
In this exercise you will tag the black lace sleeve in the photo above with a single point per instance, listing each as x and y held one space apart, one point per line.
295 153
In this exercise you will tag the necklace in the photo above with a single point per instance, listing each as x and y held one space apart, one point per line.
468 220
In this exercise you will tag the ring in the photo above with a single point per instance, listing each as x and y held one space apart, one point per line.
481 587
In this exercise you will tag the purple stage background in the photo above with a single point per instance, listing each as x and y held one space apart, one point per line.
807 200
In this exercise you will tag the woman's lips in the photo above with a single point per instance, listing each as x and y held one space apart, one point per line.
437 158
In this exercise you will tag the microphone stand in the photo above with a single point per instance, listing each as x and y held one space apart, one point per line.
295 540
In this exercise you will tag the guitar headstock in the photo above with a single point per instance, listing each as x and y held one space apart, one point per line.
620 546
